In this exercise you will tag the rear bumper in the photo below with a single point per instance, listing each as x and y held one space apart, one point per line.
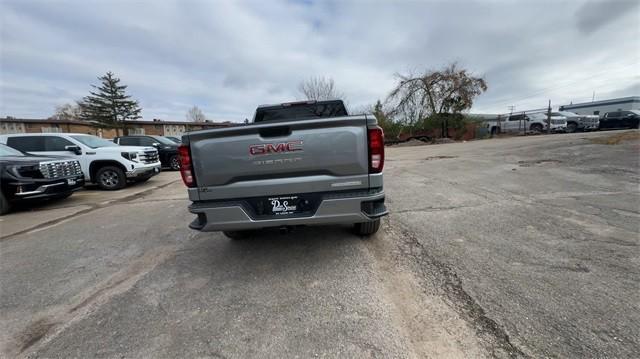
235 215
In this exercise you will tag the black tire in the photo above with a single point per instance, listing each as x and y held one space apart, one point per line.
174 162
536 127
5 206
238 234
367 228
572 127
111 178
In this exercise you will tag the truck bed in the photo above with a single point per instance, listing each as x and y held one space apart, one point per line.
279 158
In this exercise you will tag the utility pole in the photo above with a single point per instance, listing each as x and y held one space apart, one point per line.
593 98
549 118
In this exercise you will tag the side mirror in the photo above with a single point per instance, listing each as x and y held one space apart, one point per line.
75 149
155 144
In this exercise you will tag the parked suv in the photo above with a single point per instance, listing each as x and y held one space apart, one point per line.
102 161
576 122
167 149
620 119
25 177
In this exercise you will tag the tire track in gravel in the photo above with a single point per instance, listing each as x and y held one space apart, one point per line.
438 316
51 322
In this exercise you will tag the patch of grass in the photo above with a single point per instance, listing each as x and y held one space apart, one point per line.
616 138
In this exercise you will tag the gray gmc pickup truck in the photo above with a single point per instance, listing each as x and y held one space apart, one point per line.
299 163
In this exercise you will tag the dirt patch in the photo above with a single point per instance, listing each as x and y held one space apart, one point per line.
616 138
412 142
430 283
54 322
538 163
439 158
431 327
33 333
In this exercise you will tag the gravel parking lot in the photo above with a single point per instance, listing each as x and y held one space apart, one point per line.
511 247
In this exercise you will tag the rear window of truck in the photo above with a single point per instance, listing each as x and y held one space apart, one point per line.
297 111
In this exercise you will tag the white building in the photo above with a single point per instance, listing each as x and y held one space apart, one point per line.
602 107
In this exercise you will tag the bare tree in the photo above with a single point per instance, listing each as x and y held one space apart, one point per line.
435 94
67 112
195 114
320 88
450 90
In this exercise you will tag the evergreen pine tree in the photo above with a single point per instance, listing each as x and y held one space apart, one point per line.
109 106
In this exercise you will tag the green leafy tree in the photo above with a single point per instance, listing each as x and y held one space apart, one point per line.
109 105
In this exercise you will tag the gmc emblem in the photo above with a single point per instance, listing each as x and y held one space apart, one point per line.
271 148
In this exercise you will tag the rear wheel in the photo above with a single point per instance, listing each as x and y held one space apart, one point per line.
5 206
367 228
174 162
111 178
572 127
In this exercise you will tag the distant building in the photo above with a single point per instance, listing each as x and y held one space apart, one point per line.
155 127
602 107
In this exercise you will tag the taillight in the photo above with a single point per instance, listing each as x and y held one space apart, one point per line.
186 169
376 150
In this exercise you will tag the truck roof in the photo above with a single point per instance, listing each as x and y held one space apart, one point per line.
300 109
303 102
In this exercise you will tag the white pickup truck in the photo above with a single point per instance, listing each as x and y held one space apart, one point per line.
576 122
530 122
102 161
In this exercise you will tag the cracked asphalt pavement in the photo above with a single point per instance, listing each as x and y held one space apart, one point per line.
510 247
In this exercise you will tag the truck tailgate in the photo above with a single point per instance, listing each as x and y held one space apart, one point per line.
316 155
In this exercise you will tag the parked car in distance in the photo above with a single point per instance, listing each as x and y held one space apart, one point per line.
530 122
620 119
558 123
25 177
174 139
167 149
103 162
576 122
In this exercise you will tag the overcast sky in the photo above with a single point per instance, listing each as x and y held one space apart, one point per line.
228 57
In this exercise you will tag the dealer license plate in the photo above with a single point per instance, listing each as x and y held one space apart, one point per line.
282 205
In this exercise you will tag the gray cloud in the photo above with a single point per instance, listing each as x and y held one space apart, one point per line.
228 57
595 15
